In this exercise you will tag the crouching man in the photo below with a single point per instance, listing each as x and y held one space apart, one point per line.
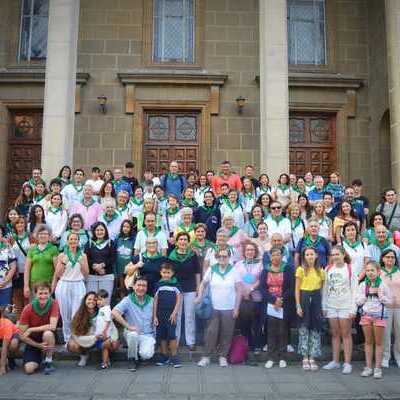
135 313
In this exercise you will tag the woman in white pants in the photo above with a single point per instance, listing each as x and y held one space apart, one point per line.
69 281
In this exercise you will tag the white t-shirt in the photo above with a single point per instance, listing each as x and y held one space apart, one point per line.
357 255
339 289
104 316
283 227
223 292
140 242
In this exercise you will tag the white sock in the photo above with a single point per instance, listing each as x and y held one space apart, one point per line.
48 359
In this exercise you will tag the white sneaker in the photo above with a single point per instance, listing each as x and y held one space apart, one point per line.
204 362
398 363
282 364
223 362
331 365
269 364
378 373
83 358
367 372
290 348
385 363
265 348
347 369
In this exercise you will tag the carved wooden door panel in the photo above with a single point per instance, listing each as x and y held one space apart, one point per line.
312 144
171 136
24 148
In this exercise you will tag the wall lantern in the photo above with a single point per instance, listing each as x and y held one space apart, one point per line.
102 100
240 102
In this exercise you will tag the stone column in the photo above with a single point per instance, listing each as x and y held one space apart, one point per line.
392 10
274 90
59 93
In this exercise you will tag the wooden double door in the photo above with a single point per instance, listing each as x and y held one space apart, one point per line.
168 136
312 139
24 148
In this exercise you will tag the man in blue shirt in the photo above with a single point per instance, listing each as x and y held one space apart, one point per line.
120 183
317 194
172 182
135 313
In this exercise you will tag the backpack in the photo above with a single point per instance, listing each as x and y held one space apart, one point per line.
238 350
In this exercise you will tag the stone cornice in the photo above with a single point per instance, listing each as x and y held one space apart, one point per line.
307 79
174 77
34 75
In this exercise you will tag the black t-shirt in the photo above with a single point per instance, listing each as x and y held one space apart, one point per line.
104 254
186 272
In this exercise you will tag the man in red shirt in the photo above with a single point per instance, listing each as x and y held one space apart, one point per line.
10 335
226 176
39 322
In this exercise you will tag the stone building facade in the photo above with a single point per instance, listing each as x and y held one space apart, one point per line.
337 111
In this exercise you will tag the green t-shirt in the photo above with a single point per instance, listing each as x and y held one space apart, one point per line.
42 269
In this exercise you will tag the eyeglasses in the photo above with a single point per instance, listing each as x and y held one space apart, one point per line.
276 208
222 256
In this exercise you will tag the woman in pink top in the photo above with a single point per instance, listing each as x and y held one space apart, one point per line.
236 235
390 275
250 315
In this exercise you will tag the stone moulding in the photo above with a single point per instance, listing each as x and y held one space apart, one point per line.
131 79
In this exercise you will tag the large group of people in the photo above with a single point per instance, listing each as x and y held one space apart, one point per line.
192 260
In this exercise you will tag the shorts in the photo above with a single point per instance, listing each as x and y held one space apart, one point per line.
337 313
166 330
32 354
5 296
367 320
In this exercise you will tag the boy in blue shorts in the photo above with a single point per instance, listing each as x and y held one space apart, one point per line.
167 301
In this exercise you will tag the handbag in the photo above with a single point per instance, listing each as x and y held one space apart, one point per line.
204 309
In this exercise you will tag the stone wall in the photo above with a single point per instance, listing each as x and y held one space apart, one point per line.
4 121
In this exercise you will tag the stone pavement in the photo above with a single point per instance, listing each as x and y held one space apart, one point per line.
193 383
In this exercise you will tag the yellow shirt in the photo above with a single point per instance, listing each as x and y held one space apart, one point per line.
311 281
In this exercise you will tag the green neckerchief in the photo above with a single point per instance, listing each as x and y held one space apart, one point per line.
48 245
207 244
310 185
94 316
215 269
249 195
175 256
383 246
137 202
112 218
233 231
3 246
172 176
156 256
376 284
156 231
282 267
323 219
207 209
120 210
295 223
283 187
9 227
171 211
54 210
73 259
254 223
394 269
40 311
203 189
172 281
136 302
311 243
20 239
90 203
188 229
40 197
278 219
100 243
229 204
352 245
265 189
266 211
77 189
189 203
162 198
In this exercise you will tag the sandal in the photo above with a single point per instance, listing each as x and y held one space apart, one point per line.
306 365
313 365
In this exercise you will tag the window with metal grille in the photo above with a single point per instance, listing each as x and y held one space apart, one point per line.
173 31
306 32
33 30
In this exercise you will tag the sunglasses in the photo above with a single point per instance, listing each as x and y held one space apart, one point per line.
276 208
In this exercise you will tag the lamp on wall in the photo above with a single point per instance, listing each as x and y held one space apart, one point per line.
240 102
102 100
